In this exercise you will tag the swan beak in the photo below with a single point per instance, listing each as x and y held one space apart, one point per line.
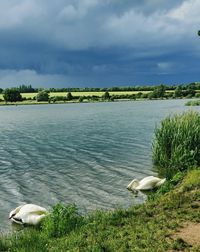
11 216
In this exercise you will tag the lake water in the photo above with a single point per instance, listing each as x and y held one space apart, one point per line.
81 153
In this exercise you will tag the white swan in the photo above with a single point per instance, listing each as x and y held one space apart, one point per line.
28 214
147 183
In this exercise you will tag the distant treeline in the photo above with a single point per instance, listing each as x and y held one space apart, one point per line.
30 89
49 95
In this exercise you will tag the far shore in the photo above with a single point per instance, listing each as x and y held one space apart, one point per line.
34 102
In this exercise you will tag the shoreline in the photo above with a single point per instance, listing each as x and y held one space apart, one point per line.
88 101
140 227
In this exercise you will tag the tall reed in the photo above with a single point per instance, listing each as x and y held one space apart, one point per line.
176 146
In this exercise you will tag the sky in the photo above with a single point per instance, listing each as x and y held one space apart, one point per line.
99 43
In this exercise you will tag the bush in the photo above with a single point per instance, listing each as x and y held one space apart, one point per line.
144 96
81 99
176 146
69 96
158 92
58 99
139 95
12 95
42 96
106 95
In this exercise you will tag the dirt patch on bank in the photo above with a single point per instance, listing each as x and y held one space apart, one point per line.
189 233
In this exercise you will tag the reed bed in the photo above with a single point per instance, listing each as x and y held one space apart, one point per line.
176 146
193 103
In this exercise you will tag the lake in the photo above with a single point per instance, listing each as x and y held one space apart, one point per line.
77 153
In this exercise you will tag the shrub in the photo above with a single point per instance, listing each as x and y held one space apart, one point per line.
69 96
106 95
81 99
197 95
138 95
42 96
158 92
176 146
12 95
144 96
58 99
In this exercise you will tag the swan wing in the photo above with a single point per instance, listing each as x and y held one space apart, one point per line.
148 183
29 214
32 208
33 218
159 183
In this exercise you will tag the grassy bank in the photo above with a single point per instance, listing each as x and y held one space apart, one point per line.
148 227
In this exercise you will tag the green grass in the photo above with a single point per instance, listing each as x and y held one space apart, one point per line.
193 103
176 146
99 94
27 102
148 227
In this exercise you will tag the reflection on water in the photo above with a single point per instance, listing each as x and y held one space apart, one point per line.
81 153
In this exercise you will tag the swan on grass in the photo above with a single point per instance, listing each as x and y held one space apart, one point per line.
147 183
28 214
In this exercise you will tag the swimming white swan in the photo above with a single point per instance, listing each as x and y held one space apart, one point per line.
147 183
28 214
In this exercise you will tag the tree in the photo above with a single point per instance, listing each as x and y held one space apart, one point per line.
199 32
43 95
69 96
81 98
159 92
12 95
26 89
178 92
106 95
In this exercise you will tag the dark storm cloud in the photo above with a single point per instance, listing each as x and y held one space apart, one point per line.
98 43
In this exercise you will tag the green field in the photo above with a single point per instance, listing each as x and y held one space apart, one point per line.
99 94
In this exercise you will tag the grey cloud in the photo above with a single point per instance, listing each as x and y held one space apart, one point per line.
85 24
78 41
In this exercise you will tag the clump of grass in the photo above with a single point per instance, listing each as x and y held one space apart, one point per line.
176 146
193 103
192 180
62 220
